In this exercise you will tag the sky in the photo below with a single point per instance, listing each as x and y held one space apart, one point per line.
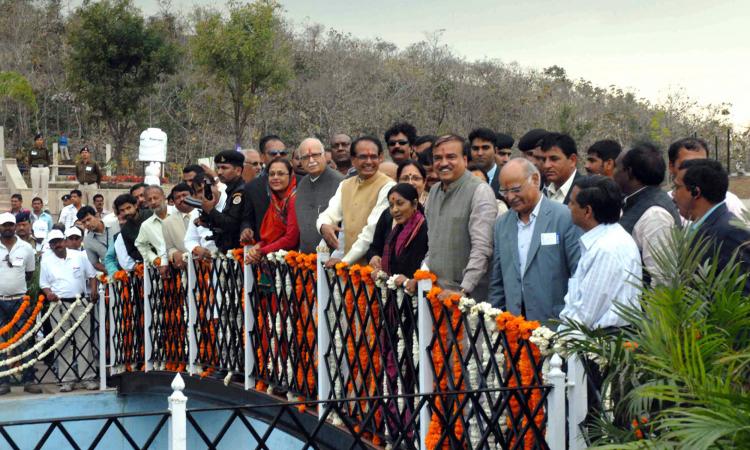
648 47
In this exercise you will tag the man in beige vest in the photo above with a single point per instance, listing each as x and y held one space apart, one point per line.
357 203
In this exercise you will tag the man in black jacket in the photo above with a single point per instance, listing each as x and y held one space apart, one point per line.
700 190
225 224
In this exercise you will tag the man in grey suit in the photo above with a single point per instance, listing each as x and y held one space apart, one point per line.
536 247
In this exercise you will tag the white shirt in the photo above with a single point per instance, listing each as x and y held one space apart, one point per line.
608 273
68 216
335 214
651 230
123 258
67 277
525 233
558 194
150 240
21 257
198 236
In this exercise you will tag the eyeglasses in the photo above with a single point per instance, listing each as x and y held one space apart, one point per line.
514 190
408 178
400 142
311 156
278 152
278 174
366 157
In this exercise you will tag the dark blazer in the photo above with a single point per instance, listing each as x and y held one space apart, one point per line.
495 183
412 256
541 291
725 239
575 178
256 203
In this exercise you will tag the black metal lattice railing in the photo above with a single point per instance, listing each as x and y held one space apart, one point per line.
126 333
167 318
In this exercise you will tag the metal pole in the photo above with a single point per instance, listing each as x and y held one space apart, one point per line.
426 385
323 295
102 339
178 416
556 405
729 137
249 321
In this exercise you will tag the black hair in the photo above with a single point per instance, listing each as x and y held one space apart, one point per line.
707 175
485 134
17 196
605 149
179 187
452 138
503 141
98 196
37 199
58 226
286 163
124 199
474 166
137 186
38 136
602 194
402 127
85 211
193 168
424 139
76 192
368 138
265 140
425 158
410 162
405 190
560 140
645 163
690 144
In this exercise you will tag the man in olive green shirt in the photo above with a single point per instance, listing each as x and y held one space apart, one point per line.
39 162
89 175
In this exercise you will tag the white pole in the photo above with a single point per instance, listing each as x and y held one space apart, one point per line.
323 295
2 146
102 339
55 160
425 373
111 323
107 157
178 419
192 316
577 401
147 344
556 405
249 320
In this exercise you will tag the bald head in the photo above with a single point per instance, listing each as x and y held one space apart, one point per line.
312 155
252 165
519 184
389 168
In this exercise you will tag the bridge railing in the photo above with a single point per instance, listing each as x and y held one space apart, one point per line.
409 369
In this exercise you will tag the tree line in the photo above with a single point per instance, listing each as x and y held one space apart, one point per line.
213 81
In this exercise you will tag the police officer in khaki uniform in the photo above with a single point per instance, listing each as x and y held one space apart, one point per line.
39 162
89 175
226 223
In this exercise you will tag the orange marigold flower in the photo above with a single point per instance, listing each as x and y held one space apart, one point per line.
630 345
425 275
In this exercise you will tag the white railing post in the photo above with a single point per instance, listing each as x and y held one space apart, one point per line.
112 355
425 373
192 316
178 416
102 339
249 321
107 157
55 161
577 402
556 405
147 344
323 294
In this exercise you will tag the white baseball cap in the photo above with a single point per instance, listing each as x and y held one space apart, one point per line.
7 217
39 229
55 234
73 231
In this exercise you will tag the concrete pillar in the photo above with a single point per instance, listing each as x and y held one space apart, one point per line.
107 157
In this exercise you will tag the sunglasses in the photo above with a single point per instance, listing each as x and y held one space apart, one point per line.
400 142
278 152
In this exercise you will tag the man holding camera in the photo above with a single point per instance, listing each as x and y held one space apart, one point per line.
225 223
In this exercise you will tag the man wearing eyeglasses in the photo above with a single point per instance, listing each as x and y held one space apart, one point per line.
252 166
314 191
357 204
536 247
257 197
16 270
400 138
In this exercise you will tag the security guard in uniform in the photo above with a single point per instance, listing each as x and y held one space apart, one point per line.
226 224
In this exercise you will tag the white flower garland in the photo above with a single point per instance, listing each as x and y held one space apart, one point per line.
32 332
52 347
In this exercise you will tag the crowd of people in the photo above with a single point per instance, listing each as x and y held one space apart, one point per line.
533 234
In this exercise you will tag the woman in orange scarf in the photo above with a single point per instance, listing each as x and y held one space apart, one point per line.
279 230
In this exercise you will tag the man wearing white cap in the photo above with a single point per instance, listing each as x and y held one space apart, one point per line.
16 269
63 277
40 229
73 238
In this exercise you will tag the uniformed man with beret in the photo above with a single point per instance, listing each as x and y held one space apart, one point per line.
226 223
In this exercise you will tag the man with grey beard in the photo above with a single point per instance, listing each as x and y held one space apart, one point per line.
150 240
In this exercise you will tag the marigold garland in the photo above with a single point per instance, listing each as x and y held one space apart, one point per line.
16 316
29 322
